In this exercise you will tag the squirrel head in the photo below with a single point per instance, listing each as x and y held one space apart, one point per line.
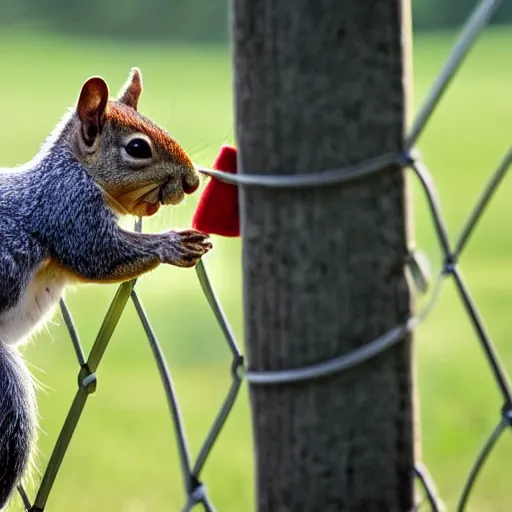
136 163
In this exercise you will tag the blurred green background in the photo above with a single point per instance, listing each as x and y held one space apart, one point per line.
123 455
188 20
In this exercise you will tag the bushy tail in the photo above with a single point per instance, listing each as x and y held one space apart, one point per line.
17 420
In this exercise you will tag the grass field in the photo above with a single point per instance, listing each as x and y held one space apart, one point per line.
123 455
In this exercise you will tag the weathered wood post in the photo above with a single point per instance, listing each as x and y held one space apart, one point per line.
321 84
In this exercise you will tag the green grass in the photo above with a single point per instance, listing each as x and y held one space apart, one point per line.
123 457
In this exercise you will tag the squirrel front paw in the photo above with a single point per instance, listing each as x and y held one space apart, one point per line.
185 248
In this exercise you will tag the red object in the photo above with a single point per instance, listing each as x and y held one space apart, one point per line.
217 212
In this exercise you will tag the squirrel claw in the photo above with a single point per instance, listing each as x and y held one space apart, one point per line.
189 247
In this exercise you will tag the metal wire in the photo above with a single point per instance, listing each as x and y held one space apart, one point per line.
195 490
429 488
322 179
479 462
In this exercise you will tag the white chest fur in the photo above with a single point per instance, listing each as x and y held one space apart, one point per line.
36 305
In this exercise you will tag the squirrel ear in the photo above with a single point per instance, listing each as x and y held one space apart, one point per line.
132 89
91 107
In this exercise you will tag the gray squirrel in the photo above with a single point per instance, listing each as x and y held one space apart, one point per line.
58 226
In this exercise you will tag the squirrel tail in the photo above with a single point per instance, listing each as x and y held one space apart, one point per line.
17 420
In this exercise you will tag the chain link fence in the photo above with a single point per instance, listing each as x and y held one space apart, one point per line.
191 469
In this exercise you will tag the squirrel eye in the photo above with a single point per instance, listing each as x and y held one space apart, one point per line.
138 148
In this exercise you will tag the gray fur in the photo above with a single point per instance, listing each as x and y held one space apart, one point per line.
17 420
51 209
54 208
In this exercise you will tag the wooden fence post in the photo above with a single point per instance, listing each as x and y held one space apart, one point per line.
322 84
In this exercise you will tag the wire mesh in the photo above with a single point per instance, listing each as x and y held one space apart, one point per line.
195 489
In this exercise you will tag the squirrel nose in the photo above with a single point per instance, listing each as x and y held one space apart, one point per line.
190 184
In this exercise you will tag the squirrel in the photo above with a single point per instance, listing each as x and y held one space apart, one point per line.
59 226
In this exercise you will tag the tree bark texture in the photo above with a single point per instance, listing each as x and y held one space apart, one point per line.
321 84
